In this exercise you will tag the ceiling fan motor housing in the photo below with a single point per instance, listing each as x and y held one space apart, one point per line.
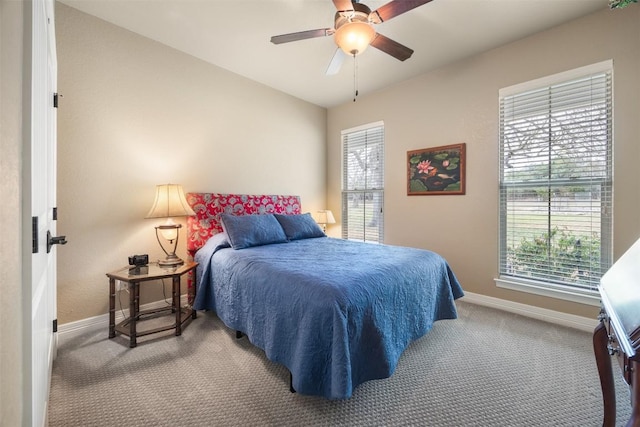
360 13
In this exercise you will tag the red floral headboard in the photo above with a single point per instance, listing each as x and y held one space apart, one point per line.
209 206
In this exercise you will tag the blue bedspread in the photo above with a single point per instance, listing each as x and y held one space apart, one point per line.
336 313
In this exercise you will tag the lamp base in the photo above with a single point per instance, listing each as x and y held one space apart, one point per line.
170 261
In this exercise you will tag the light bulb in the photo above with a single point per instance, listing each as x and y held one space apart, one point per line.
169 229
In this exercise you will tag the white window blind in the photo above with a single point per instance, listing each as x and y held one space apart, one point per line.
363 183
556 182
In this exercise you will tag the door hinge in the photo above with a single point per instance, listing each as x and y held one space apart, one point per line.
34 235
55 99
55 214
55 325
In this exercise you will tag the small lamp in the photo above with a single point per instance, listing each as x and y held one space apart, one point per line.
323 218
170 202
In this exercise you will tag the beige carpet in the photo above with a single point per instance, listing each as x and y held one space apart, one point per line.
487 368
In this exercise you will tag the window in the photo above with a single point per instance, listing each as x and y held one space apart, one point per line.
556 184
363 183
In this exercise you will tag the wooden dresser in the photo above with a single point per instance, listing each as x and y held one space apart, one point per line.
618 333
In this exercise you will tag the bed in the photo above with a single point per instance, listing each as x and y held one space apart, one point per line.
334 312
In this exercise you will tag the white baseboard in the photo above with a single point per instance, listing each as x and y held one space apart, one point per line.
71 330
570 320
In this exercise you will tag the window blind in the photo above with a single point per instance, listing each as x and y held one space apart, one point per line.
363 184
556 182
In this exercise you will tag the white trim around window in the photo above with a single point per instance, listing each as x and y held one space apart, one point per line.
556 184
550 290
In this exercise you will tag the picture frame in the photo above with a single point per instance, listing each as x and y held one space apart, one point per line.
437 171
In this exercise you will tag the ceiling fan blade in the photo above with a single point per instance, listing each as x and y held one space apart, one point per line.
391 47
343 5
394 8
309 34
336 62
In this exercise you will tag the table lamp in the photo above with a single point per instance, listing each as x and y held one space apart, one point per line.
170 202
323 218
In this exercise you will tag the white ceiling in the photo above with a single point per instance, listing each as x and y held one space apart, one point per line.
235 35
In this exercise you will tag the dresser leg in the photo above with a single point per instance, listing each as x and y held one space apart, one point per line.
634 421
603 361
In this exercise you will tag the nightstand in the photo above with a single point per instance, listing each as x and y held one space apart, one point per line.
134 277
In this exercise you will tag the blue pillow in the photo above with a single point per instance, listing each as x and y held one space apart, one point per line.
245 231
298 227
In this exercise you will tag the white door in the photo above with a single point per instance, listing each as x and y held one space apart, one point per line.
43 202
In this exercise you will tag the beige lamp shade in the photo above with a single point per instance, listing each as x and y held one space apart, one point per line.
325 217
170 202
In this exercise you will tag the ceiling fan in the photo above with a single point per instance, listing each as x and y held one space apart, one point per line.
353 30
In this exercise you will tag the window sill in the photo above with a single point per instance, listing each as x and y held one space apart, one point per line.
550 290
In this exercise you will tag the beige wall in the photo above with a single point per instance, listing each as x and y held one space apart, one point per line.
459 103
12 294
136 113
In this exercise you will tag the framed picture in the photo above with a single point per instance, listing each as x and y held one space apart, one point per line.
436 171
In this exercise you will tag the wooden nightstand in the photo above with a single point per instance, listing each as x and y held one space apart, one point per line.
134 276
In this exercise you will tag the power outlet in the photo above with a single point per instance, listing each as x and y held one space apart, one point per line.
121 286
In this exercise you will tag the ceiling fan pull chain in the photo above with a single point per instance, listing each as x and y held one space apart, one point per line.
355 78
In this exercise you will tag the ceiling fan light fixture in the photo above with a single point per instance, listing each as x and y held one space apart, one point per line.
354 37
